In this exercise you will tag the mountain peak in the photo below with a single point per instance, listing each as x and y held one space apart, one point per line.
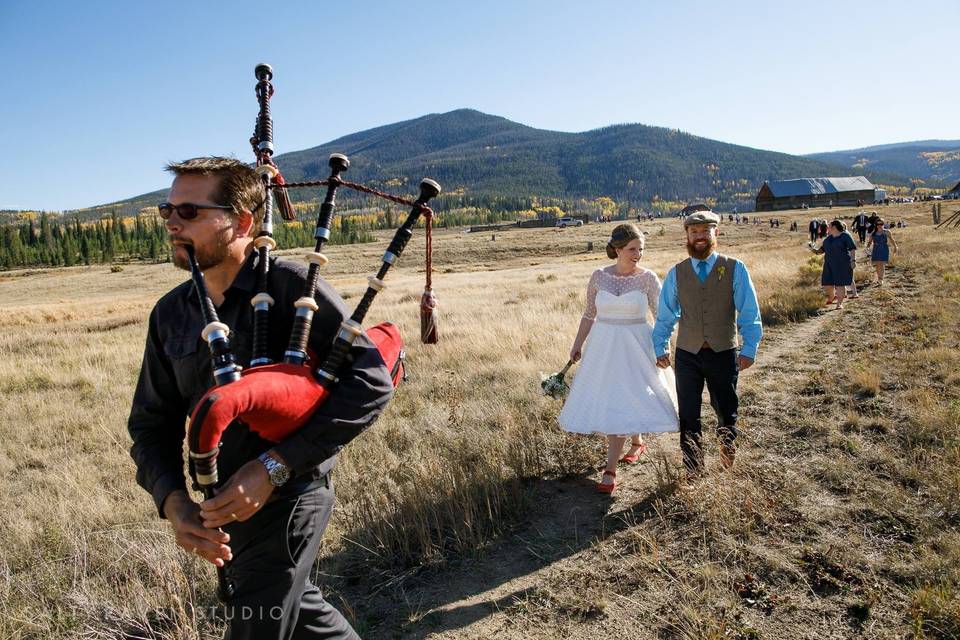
480 157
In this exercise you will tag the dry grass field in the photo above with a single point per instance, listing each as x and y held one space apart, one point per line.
465 512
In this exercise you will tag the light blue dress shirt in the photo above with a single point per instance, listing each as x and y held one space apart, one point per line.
744 298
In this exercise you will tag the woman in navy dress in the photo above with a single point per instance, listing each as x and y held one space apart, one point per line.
839 255
881 239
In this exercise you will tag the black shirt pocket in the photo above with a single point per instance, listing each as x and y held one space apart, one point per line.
189 367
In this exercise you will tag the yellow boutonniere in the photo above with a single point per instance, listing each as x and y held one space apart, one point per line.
721 270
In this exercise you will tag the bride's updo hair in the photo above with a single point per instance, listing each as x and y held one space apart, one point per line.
622 235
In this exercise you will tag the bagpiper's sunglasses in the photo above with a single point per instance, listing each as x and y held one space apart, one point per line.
187 210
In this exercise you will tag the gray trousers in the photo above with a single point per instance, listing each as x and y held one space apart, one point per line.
273 553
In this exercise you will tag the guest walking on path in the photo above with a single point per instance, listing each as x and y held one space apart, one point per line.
852 289
839 256
860 224
881 240
822 229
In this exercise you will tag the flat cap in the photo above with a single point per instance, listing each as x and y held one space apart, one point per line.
701 217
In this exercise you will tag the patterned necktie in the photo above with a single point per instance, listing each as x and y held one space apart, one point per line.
702 271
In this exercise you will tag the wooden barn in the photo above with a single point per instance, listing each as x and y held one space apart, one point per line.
953 193
777 195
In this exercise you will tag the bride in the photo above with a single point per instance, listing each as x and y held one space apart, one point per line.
619 391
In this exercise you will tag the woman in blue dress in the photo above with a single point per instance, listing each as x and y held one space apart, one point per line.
839 255
881 240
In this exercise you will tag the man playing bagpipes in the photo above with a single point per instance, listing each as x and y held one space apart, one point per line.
263 527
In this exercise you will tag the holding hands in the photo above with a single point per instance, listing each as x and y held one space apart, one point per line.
743 362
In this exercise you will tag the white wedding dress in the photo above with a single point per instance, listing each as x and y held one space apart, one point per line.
618 388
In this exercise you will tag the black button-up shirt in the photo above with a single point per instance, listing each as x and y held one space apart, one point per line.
176 372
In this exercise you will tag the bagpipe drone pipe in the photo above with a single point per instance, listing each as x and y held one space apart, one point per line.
274 399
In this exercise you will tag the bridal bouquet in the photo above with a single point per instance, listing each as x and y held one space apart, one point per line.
812 246
554 385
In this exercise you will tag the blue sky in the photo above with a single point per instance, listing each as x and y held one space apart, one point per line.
99 95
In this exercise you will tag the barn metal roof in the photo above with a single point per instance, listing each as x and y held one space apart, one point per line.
817 186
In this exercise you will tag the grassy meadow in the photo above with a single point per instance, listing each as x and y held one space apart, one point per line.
842 513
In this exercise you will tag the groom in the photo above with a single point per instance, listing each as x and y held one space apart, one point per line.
712 296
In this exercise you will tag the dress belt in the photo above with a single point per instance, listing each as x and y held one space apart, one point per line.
622 320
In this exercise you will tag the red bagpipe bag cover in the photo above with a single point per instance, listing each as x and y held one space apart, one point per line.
275 400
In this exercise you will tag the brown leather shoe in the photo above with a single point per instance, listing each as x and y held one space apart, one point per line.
727 455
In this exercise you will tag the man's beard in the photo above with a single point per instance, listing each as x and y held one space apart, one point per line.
701 254
207 257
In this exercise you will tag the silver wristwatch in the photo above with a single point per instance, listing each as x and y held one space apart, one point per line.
279 473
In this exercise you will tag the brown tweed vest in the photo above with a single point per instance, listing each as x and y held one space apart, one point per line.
707 311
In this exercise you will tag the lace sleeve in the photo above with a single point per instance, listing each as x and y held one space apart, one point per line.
651 287
592 287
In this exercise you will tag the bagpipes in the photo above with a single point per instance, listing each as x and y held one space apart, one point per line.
274 399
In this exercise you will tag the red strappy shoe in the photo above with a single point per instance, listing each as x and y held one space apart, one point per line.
607 488
633 458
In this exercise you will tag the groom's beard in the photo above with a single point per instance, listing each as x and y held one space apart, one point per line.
701 249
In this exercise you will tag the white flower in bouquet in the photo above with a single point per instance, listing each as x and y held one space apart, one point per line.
554 385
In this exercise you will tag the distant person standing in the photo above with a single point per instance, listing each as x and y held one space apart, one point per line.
822 229
860 226
872 222
881 240
839 255
813 228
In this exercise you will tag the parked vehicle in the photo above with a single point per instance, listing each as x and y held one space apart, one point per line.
569 222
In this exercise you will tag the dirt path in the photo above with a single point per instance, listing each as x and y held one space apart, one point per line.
479 597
